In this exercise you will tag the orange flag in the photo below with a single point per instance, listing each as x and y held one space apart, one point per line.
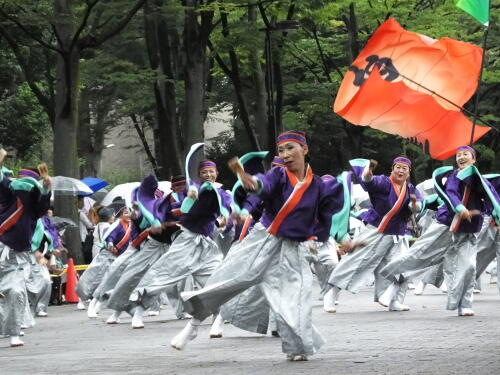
381 88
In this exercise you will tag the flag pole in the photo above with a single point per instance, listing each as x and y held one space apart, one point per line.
480 81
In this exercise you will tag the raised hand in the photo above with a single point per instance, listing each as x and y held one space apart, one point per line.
193 194
246 179
467 215
367 175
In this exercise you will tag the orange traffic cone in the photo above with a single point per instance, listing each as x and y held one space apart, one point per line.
70 295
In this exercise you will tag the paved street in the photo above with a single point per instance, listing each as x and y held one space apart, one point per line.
362 338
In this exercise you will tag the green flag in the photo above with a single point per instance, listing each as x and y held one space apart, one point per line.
479 9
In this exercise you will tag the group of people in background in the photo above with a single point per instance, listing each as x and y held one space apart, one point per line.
246 256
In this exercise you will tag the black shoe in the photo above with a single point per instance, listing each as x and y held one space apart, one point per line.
275 334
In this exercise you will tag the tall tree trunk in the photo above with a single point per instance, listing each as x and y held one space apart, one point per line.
66 124
195 72
87 150
168 145
140 132
259 83
235 77
355 133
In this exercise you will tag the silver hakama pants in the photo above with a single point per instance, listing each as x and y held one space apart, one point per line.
325 262
280 268
191 254
13 297
488 247
224 241
251 312
114 273
38 285
152 251
359 268
457 251
94 274
434 276
173 294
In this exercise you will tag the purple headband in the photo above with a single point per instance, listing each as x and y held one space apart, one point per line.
28 173
402 160
277 162
291 136
206 164
467 148
178 183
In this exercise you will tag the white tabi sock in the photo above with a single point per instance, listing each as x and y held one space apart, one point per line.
420 288
98 306
217 327
15 341
397 306
80 305
389 294
329 301
137 319
114 318
189 333
91 313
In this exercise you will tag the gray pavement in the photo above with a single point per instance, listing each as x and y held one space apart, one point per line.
362 338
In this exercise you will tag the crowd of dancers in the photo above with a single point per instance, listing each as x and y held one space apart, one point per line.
246 256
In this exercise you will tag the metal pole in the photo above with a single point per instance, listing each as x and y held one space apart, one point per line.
271 114
476 102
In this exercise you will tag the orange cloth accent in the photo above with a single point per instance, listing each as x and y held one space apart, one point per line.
141 237
374 92
12 219
401 193
299 188
244 230
128 230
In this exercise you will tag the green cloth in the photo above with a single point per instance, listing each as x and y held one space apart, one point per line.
479 9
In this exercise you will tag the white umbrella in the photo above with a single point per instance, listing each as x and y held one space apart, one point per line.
68 185
426 187
124 191
87 204
165 186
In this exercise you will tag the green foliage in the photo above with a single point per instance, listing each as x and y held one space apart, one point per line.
23 123
120 176
312 58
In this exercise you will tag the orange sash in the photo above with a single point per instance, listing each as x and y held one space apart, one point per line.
141 237
299 188
126 236
12 219
401 193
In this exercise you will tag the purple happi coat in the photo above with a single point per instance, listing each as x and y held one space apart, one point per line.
205 210
119 234
159 210
383 197
454 202
311 217
22 203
